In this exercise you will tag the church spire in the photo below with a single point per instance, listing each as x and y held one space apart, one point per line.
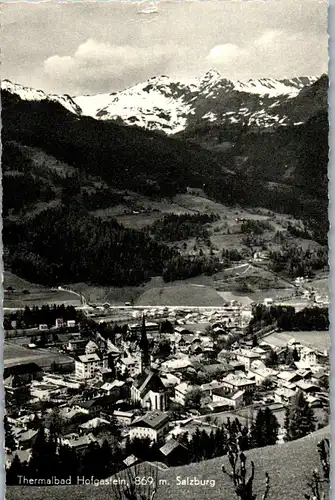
144 346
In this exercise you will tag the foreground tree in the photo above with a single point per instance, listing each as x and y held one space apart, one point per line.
9 436
299 418
243 486
319 484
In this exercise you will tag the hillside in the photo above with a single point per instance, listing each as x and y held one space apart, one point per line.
110 174
289 466
125 157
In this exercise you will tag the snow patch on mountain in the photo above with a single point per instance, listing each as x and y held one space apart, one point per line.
157 104
274 88
29 94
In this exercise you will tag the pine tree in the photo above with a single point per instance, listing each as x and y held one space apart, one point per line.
43 458
270 428
264 431
15 470
299 419
257 431
105 459
9 437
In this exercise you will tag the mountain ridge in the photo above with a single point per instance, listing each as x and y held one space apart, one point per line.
171 106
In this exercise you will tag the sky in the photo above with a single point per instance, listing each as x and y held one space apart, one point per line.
88 48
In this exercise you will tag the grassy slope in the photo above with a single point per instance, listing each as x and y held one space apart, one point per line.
16 354
38 294
181 295
289 466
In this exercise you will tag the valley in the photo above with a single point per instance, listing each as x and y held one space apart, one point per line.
218 222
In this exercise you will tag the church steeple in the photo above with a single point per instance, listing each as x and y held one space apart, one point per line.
144 346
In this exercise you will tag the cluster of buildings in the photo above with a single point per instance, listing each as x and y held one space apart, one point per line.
161 398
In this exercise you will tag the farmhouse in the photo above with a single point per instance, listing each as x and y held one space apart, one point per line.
174 453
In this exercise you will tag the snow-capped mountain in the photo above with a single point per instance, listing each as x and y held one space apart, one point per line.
171 105
162 103
29 94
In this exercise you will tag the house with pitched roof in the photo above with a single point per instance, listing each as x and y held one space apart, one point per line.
174 453
89 365
232 398
152 425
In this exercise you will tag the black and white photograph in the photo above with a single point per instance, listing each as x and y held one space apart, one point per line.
165 250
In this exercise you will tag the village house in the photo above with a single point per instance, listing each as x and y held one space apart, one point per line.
44 392
117 387
78 443
246 356
181 391
130 365
313 357
94 423
189 426
130 461
170 380
236 382
125 417
308 387
77 346
174 453
233 399
153 425
284 394
210 386
68 412
89 365
176 365
26 438
17 377
94 406
261 373
288 376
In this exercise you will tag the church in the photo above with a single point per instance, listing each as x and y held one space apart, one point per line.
148 387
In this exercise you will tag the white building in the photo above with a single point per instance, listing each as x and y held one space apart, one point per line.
88 366
233 399
247 356
153 425
181 391
129 364
236 382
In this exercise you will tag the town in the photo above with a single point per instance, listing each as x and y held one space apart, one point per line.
161 385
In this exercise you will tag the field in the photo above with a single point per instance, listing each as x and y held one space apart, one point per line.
181 295
16 354
289 466
23 294
317 340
